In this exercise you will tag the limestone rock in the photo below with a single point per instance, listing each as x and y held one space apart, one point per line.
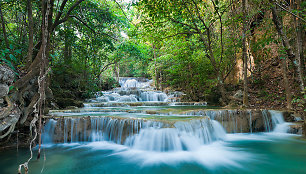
6 75
10 120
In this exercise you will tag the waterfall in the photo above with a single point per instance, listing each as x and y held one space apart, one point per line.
135 90
93 129
47 134
246 121
186 135
279 124
267 120
153 96
136 133
139 128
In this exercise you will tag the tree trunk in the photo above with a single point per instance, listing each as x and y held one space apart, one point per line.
67 53
299 50
215 66
286 83
245 58
3 29
31 30
155 68
43 68
279 27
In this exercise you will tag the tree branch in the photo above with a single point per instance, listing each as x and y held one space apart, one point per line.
65 18
289 12
178 22
180 34
124 13
83 22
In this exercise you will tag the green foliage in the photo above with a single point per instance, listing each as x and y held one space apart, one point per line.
134 58
82 51
300 101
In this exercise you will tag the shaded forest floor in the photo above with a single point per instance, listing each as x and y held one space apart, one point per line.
266 88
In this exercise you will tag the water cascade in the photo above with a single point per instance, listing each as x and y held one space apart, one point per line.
136 90
149 131
149 126
241 121
136 133
279 124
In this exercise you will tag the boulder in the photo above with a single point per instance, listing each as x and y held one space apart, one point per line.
6 75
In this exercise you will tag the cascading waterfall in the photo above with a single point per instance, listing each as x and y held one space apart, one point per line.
186 131
161 135
186 135
136 133
242 121
279 124
267 120
93 129
153 96
136 90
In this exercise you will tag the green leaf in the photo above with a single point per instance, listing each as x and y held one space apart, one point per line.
12 57
11 88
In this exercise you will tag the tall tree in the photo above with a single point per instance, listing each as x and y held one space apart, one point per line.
244 55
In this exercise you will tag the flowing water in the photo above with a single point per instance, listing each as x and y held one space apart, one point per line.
135 129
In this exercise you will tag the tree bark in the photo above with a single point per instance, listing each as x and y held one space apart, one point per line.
4 29
43 68
155 68
245 57
299 50
286 83
66 45
31 31
279 27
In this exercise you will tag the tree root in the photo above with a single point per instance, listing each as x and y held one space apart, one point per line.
11 129
8 109
29 109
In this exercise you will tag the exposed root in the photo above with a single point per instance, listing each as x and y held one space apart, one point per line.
11 129
29 109
38 111
33 124
6 112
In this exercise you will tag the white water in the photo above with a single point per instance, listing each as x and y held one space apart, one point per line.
196 136
279 124
136 90
145 134
135 133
